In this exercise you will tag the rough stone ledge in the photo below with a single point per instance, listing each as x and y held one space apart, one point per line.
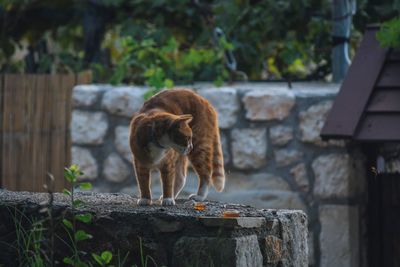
119 223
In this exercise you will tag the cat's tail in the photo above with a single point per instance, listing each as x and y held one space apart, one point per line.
218 172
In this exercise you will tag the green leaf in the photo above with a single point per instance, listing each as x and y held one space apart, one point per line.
98 259
70 176
81 264
66 192
67 223
81 235
169 83
106 256
68 261
74 168
85 186
78 203
85 218
389 34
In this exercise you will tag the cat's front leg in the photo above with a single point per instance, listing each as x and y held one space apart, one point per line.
167 177
143 180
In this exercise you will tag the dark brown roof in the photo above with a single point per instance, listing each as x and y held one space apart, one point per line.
367 107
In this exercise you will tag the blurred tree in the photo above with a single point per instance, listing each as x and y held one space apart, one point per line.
272 39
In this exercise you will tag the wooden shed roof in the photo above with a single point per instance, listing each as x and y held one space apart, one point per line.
367 107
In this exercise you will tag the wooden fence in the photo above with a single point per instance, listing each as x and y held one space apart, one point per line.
35 111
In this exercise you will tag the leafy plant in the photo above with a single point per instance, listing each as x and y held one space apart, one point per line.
103 259
389 34
75 235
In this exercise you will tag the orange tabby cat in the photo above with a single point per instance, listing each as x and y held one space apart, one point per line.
172 127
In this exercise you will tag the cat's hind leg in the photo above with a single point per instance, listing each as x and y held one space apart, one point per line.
180 174
201 162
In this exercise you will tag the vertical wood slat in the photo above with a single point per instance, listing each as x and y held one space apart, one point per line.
1 126
34 123
9 160
68 82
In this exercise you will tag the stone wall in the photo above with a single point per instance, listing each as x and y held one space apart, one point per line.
172 236
274 157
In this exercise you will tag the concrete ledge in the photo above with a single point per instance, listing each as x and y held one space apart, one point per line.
240 222
120 225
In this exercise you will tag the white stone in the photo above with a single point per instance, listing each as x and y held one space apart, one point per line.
339 238
85 160
249 148
115 170
225 101
243 181
268 104
311 122
299 173
123 101
262 198
392 166
225 148
122 142
88 127
280 135
334 176
284 157
86 95
294 229
310 244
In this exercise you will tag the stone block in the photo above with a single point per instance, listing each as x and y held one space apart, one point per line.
311 255
311 122
88 128
120 224
339 238
299 173
244 181
217 251
225 148
273 249
268 104
166 226
115 170
122 142
334 176
280 135
123 101
85 160
262 198
294 238
225 101
239 222
86 95
249 148
284 157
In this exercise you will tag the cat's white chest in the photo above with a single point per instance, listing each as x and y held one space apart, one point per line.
156 153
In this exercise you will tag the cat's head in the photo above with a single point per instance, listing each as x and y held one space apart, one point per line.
180 134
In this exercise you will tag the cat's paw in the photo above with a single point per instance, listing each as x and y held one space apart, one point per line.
196 197
144 202
168 201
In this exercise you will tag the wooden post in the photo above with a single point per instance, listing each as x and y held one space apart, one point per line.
342 12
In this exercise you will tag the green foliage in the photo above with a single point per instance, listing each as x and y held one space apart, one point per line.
75 235
389 34
104 259
29 241
142 36
34 245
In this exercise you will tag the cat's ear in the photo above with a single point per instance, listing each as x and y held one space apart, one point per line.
185 118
